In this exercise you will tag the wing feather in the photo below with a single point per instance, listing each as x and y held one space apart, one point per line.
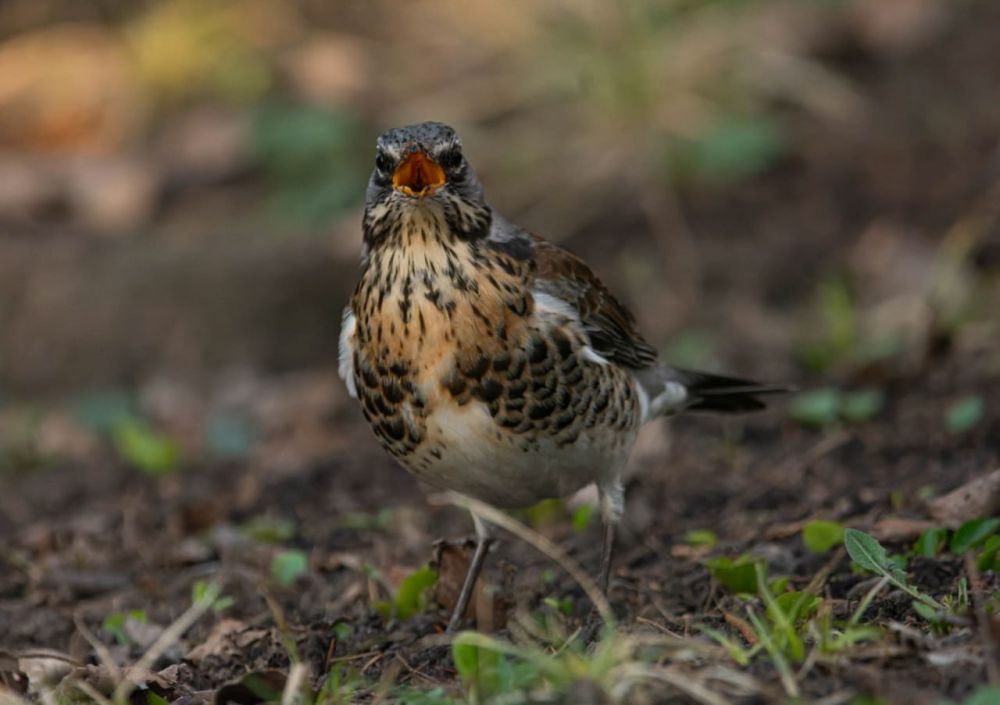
560 274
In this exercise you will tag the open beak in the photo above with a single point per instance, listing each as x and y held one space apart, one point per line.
418 175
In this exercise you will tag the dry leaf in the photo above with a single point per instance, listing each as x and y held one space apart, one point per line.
977 498
229 637
900 529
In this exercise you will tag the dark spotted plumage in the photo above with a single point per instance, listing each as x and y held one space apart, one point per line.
487 360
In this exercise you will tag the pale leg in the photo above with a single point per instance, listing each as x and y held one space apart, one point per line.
612 496
606 550
483 541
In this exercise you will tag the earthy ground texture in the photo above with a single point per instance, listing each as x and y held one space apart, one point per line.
93 542
193 511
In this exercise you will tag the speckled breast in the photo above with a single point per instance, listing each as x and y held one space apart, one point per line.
471 389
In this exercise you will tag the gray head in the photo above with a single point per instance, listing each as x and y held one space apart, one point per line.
422 166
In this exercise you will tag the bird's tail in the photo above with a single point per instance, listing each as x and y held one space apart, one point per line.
669 390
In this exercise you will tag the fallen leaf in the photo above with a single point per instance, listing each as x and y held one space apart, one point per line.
784 531
900 529
451 561
11 677
229 637
979 497
45 667
683 550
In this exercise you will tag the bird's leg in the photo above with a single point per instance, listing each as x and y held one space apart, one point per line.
612 498
606 546
483 541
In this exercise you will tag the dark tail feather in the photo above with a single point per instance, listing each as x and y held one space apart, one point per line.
710 392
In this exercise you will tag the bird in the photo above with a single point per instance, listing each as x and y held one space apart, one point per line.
491 362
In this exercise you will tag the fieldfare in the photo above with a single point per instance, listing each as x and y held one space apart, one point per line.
491 362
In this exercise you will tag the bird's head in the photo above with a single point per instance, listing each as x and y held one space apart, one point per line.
422 167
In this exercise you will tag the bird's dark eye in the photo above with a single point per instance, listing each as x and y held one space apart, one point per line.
451 159
382 162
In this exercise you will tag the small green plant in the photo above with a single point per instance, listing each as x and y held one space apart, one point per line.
313 159
827 406
931 542
870 555
100 410
114 624
781 631
367 521
340 687
545 513
820 535
701 537
862 405
738 574
288 566
972 534
582 517
732 148
144 448
965 414
497 671
228 437
984 695
563 606
153 699
843 340
693 348
989 557
203 591
269 529
410 598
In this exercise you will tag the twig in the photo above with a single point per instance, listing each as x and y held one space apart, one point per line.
867 600
372 661
659 627
103 655
684 682
788 681
91 692
170 636
982 621
287 640
542 544
352 657
292 694
819 580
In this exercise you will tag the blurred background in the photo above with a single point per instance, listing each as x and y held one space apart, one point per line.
796 192
800 191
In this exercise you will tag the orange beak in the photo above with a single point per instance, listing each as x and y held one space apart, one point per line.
418 175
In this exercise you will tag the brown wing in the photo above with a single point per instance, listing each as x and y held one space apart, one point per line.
609 325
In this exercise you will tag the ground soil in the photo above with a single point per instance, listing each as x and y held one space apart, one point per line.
86 538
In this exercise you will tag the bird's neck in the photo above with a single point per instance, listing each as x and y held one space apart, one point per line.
424 285
395 222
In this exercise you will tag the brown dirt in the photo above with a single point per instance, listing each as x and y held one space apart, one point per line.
84 539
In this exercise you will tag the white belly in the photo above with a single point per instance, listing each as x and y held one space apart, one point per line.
480 459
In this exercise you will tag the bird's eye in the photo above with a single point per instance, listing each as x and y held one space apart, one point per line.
451 159
382 162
